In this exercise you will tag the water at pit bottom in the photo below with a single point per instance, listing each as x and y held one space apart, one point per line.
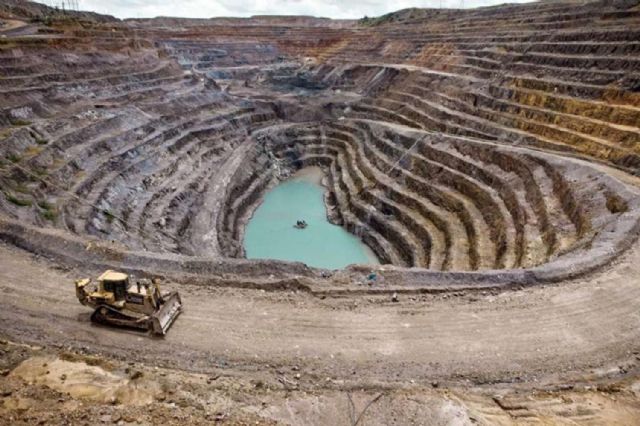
270 234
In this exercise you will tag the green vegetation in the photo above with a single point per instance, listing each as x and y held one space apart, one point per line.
58 18
41 141
44 20
50 215
22 188
372 22
33 150
110 217
368 22
14 158
20 202
39 171
397 17
48 210
44 205
19 122
6 45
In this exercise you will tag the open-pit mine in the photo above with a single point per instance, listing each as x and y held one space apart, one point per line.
468 253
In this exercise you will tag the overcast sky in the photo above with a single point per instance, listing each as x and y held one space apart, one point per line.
212 8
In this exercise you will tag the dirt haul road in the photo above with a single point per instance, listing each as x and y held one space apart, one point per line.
568 332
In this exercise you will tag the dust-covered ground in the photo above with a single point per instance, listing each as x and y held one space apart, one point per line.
96 108
59 386
567 353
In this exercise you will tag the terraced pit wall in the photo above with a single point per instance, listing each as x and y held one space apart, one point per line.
468 149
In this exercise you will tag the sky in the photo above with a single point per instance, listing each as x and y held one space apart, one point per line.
345 9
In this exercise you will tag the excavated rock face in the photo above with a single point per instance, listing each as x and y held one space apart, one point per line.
492 139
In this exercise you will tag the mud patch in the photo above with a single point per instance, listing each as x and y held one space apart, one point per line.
87 382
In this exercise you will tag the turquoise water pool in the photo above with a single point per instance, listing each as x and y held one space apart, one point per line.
271 234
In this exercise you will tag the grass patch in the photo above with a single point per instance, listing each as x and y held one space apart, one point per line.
6 45
367 22
375 21
19 122
44 205
49 211
398 16
20 202
110 217
57 163
40 171
49 215
41 141
32 151
22 188
44 20
14 158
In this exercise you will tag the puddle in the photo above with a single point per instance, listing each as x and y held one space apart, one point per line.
271 233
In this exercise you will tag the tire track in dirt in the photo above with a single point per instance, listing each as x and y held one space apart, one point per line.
568 327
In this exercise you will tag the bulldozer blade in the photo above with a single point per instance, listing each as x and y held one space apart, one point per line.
162 320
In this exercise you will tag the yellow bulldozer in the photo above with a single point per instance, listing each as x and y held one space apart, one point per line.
119 301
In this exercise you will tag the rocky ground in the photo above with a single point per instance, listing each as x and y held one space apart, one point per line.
148 129
61 386
240 357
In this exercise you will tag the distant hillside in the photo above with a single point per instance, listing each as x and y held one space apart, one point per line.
35 11
414 14
400 16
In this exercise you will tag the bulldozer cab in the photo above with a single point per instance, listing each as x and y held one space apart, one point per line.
115 283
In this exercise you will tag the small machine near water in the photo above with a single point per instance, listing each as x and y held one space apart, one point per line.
119 301
300 224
